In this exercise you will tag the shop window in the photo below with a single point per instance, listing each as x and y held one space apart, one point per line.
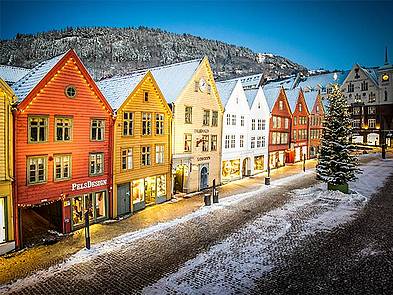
128 124
241 120
233 141
146 123
206 118
188 115
214 118
77 211
97 130
233 119
63 129
231 168
161 185
160 154
38 129
258 163
36 169
150 190
62 167
213 142
126 159
138 189
253 124
241 140
187 142
160 124
96 164
145 156
93 203
205 143
100 205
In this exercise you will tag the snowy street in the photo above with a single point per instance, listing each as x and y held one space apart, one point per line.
252 242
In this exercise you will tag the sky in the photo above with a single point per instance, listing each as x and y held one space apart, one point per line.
316 34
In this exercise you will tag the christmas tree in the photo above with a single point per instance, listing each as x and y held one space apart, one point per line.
336 164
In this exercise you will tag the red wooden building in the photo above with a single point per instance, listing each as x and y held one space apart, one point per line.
317 114
279 127
62 148
299 130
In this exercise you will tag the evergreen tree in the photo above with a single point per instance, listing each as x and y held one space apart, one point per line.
336 164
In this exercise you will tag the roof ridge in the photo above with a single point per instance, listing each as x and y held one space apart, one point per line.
15 67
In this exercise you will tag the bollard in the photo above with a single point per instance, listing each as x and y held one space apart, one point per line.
87 229
267 180
215 196
207 199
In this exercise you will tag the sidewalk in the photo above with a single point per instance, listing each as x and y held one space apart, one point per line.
25 262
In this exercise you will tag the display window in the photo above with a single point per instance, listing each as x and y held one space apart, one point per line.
231 168
259 163
95 203
161 186
138 191
100 205
150 190
77 211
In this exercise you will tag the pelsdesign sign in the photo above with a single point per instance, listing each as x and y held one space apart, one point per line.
88 184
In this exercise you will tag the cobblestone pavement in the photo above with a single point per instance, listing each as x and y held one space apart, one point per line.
151 260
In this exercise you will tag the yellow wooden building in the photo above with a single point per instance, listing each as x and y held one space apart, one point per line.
142 142
7 240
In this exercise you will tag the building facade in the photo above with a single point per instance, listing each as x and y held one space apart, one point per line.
317 115
142 142
7 240
62 147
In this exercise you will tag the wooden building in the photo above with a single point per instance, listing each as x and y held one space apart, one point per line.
142 142
7 240
62 148
299 130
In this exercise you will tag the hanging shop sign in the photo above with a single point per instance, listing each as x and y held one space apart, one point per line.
88 184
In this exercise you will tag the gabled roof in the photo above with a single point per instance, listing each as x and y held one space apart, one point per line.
116 90
23 86
322 81
372 73
251 94
271 95
310 98
225 89
292 96
287 83
11 74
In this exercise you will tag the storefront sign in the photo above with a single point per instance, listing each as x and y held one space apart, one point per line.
88 184
203 158
201 130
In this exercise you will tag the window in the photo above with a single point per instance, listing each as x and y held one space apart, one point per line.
146 123
356 123
364 86
259 141
233 119
36 169
226 143
196 86
253 124
228 119
259 105
205 143
159 154
214 118
356 110
386 96
259 124
371 123
274 121
97 129
274 138
241 120
126 159
128 124
96 164
62 167
286 123
294 121
63 129
294 134
213 142
145 156
351 87
263 141
371 97
206 118
253 142
263 124
38 129
187 142
70 91
279 122
241 140
300 107
159 124
371 110
209 89
146 95
188 115
317 109
233 141
280 105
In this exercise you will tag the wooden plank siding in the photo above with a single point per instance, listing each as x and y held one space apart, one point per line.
51 101
136 104
316 124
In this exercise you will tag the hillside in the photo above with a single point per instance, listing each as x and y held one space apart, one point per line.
116 51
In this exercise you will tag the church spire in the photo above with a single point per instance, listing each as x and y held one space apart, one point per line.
386 56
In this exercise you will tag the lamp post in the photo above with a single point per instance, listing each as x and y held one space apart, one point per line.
267 179
304 162
87 229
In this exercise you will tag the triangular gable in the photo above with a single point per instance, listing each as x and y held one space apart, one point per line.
7 89
301 98
282 93
364 71
51 74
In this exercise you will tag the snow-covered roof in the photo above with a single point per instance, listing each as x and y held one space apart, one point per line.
116 90
225 89
292 96
251 81
11 74
250 95
288 83
372 73
310 98
271 95
321 81
26 84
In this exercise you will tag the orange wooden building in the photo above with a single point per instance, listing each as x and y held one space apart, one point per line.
299 130
63 127
279 127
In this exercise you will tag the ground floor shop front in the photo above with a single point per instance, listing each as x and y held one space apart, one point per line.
7 241
136 194
277 159
233 169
